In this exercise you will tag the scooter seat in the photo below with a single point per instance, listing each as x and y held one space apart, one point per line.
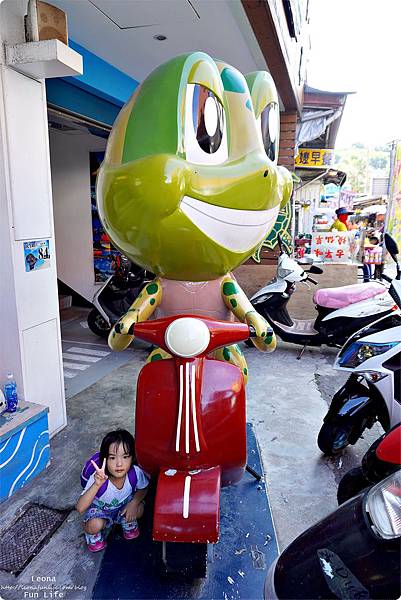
187 506
340 297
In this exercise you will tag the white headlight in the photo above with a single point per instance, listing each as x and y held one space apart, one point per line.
187 337
384 506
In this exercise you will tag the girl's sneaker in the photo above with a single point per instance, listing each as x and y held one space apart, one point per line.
131 534
95 542
97 546
130 530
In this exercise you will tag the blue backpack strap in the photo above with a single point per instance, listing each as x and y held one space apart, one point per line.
88 469
133 479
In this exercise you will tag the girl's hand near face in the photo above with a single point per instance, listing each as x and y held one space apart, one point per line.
99 475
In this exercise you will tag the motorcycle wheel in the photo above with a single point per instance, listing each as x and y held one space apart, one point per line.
97 324
185 559
352 484
333 438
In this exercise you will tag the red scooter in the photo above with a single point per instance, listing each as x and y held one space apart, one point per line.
190 432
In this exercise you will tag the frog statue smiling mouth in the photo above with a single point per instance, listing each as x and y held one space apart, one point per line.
234 229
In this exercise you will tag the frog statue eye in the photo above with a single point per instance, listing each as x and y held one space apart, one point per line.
205 127
269 123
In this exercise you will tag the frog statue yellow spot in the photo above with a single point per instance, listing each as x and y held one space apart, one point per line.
190 187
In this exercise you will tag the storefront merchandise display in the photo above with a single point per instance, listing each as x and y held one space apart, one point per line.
106 259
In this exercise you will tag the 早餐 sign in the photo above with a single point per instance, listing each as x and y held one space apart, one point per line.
313 157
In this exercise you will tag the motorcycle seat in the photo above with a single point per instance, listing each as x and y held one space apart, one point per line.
339 297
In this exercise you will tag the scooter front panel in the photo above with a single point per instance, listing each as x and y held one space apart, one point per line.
191 415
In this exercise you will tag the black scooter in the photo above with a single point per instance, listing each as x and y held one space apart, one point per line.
115 296
352 553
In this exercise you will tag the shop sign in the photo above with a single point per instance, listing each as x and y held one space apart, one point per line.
37 255
331 247
347 199
313 157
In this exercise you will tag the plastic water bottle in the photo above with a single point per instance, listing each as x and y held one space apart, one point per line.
10 393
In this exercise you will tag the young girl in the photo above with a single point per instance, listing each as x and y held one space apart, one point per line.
118 502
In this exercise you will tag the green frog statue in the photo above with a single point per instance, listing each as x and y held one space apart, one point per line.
190 188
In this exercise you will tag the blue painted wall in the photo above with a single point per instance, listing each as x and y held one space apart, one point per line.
24 454
98 94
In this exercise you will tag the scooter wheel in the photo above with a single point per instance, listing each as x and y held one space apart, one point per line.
97 324
352 484
184 559
333 438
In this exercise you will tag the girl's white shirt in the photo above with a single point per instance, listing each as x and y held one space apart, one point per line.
113 498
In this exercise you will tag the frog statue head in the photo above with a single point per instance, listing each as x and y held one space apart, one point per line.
190 186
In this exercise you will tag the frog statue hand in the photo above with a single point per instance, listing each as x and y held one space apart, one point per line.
146 302
237 301
190 188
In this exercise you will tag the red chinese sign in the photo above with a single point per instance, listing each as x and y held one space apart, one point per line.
331 247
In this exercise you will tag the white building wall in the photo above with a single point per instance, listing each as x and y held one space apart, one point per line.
69 155
308 198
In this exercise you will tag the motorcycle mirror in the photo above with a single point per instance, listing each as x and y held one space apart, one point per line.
316 270
391 246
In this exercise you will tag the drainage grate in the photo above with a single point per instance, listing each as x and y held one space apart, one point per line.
26 536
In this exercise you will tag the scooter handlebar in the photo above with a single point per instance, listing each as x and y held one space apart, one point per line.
311 280
252 331
221 333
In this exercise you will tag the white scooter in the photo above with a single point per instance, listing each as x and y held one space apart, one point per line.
373 390
341 311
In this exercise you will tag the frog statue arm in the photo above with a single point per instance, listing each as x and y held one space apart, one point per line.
236 300
143 307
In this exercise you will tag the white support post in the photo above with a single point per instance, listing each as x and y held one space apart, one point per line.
29 313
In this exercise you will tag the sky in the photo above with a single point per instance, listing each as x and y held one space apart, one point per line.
356 46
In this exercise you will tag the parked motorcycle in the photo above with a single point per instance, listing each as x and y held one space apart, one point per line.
352 553
373 390
341 311
115 297
190 431
382 459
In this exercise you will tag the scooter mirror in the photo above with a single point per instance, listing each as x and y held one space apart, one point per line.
306 260
316 270
391 246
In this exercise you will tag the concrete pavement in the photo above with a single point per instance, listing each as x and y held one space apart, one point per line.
287 399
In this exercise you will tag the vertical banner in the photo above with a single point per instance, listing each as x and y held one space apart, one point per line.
106 259
394 222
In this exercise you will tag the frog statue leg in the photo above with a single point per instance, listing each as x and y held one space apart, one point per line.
232 354
141 309
238 303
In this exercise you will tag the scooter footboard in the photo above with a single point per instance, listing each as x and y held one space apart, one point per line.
187 507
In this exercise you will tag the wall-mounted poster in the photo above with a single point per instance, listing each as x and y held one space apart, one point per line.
36 255
106 258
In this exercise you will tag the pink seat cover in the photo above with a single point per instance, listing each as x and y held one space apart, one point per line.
348 294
